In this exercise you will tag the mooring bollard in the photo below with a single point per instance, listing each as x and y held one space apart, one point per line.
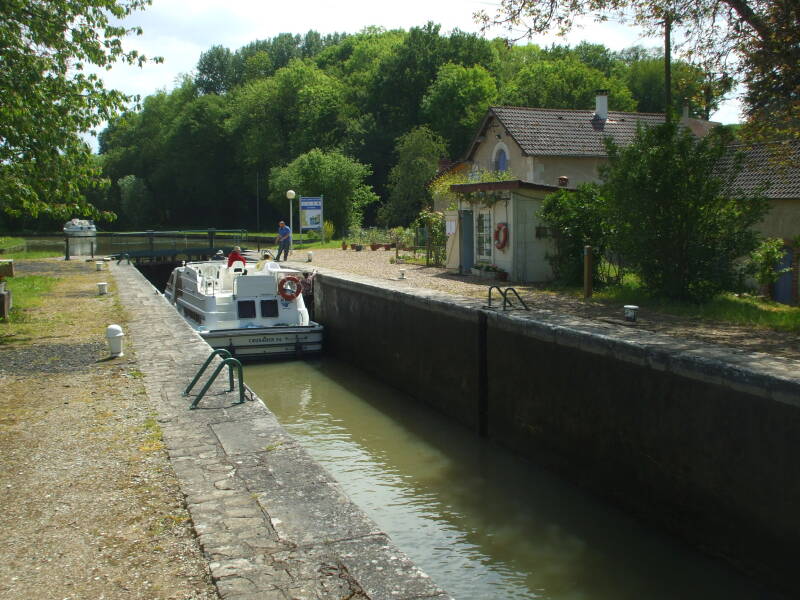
98 265
115 335
630 311
66 248
102 288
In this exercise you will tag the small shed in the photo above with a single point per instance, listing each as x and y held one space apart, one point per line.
497 223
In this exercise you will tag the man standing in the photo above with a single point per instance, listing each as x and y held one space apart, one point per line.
284 241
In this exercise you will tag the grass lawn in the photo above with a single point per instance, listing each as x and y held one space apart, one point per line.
728 308
11 243
27 292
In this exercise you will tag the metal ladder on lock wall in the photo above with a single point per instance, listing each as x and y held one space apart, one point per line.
508 303
228 361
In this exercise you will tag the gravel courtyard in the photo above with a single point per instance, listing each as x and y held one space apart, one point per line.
377 264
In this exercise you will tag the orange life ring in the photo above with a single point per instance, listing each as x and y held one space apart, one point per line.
288 291
501 236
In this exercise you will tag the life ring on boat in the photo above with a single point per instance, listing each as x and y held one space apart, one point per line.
501 236
289 287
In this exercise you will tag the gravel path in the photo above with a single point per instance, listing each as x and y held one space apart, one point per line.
91 506
377 264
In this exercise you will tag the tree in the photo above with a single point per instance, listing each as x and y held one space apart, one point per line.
418 154
674 214
49 98
276 119
690 87
564 83
338 178
753 41
215 71
457 101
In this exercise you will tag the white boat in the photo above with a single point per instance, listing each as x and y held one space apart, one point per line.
80 228
254 311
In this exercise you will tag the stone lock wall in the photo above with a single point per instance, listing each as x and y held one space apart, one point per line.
702 440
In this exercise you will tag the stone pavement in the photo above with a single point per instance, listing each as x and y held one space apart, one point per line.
272 523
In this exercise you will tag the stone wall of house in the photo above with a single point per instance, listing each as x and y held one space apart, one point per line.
699 439
547 169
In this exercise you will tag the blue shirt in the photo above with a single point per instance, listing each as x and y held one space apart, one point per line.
285 231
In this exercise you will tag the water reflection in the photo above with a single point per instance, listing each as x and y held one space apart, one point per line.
481 522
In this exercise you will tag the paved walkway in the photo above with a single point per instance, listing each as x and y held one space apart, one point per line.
273 524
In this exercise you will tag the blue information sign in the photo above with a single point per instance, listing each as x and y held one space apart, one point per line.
310 213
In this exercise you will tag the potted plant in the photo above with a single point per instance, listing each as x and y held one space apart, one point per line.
372 238
344 244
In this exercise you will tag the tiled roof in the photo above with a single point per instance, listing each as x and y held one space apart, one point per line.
771 169
559 132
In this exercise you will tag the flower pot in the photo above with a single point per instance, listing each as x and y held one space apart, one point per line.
477 272
501 276
358 247
374 247
344 245
387 246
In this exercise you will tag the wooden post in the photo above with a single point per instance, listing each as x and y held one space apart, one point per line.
587 272
66 248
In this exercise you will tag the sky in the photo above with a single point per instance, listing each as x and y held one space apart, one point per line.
180 30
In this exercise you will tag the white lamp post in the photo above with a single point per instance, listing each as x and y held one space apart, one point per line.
290 196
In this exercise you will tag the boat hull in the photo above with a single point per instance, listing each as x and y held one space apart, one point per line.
268 342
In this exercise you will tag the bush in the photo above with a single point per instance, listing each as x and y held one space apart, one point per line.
675 216
576 219
328 229
764 261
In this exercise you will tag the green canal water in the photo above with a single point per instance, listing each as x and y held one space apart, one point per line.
484 524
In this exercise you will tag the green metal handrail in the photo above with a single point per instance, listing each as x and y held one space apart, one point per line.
227 360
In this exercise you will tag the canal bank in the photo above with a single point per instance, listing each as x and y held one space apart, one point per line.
699 439
271 521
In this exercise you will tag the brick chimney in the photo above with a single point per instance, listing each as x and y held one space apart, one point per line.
601 104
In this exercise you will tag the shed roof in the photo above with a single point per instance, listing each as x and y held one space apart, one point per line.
494 186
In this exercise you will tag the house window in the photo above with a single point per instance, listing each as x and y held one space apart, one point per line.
501 160
483 236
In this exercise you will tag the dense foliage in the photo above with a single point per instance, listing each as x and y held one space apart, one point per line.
576 219
674 216
338 178
49 97
755 42
203 153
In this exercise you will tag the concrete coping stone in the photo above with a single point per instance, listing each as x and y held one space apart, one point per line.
758 374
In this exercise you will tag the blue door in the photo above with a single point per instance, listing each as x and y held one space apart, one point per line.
782 291
467 246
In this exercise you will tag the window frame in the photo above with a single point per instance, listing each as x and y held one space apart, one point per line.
483 236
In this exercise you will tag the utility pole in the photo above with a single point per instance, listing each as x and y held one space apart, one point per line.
668 67
258 204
